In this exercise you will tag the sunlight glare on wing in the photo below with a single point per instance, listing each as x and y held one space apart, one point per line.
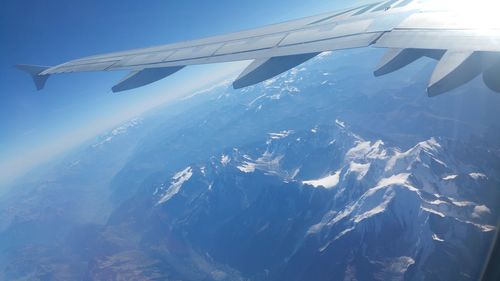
481 15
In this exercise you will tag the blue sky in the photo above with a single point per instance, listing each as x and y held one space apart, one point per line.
74 107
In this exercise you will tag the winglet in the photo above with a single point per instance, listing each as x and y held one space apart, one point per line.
34 71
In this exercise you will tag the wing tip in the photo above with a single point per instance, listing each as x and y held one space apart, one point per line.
35 72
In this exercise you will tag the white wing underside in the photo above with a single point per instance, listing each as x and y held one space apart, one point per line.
464 50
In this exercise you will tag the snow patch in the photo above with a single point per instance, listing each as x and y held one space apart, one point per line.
478 176
399 179
329 181
360 169
365 149
450 177
433 211
480 210
280 135
269 82
324 221
397 266
344 232
461 203
376 210
256 99
120 130
268 163
440 162
430 145
437 202
177 181
436 238
340 123
224 159
408 157
247 167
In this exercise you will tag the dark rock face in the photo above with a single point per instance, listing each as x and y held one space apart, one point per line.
299 178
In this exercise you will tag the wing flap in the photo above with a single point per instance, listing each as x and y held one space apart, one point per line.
456 68
144 77
263 69
396 59
491 77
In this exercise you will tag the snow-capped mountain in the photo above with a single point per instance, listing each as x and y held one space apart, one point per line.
388 210
297 178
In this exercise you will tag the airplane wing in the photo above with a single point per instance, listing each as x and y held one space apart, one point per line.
464 46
